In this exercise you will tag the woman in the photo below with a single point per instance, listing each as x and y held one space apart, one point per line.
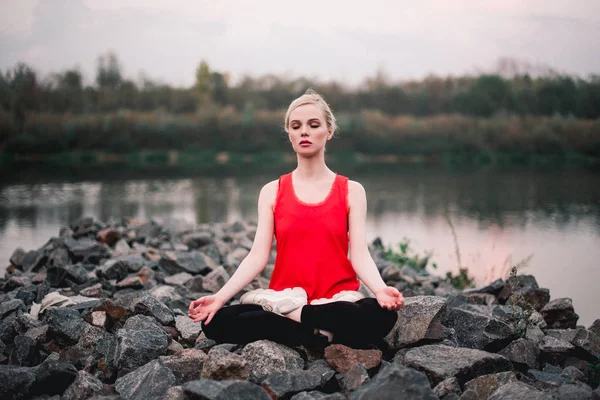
315 215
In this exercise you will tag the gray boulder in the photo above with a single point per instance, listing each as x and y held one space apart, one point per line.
154 308
419 320
140 341
395 381
522 352
221 365
485 385
205 389
560 314
188 329
148 382
83 387
285 384
518 391
186 365
66 324
265 357
16 382
439 362
477 330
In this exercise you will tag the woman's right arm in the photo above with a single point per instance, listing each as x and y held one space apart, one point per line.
258 257
251 266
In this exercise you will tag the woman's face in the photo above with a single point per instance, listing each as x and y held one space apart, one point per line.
307 129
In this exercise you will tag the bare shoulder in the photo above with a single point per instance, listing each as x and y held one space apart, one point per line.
355 189
268 193
356 194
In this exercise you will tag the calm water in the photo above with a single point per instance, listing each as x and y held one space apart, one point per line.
499 216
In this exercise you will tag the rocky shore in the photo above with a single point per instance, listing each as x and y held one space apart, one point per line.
100 312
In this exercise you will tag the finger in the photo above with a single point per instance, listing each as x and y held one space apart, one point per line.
210 317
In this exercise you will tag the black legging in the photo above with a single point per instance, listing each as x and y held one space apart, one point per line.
359 325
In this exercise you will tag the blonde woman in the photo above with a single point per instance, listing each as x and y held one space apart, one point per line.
316 216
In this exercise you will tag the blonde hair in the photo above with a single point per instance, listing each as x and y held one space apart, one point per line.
312 97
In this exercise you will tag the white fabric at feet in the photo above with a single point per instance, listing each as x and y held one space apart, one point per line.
351 296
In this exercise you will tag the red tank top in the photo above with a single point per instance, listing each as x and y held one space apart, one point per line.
312 241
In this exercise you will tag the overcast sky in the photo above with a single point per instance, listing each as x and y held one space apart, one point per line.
344 40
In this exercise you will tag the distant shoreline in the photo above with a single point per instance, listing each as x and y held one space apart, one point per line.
211 158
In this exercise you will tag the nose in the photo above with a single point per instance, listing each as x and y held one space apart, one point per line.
304 130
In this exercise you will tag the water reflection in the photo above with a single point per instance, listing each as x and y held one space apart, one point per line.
497 215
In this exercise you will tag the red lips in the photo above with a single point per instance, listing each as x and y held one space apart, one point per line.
305 142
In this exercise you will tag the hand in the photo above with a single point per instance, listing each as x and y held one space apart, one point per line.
389 297
205 308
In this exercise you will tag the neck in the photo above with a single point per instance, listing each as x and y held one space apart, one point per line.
313 168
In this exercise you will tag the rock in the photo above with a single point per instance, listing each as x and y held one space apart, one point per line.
316 395
555 351
534 334
53 377
99 318
137 346
354 378
285 384
131 281
17 257
38 334
110 236
343 358
33 260
572 374
196 240
545 380
395 381
154 308
187 328
16 382
485 385
214 281
151 381
588 341
186 365
224 365
93 291
521 352
86 250
419 320
595 327
193 262
113 269
121 248
196 284
493 288
265 357
174 348
517 391
25 349
204 389
322 369
574 391
559 314
447 386
16 307
476 330
165 293
174 393
83 387
178 279
65 324
439 362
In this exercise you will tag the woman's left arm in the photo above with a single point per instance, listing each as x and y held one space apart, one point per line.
387 296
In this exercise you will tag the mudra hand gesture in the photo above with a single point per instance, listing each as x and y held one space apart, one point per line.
205 308
390 298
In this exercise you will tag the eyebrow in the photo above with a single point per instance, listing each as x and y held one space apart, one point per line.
310 120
